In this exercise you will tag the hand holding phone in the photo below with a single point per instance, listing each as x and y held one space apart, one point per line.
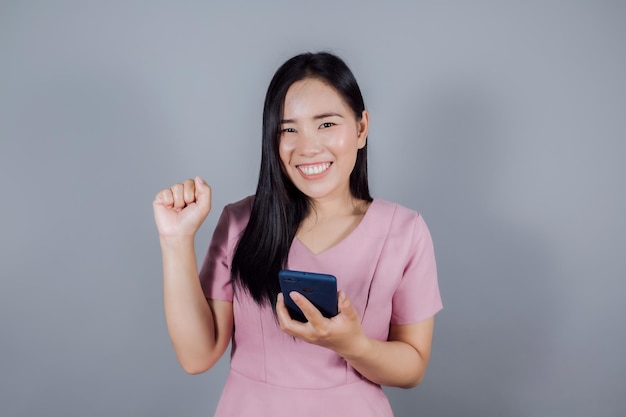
319 289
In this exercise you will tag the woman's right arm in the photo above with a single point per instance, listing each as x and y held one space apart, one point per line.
200 329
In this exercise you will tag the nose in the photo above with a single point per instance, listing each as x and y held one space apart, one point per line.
308 143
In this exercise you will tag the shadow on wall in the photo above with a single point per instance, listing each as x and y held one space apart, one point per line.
493 335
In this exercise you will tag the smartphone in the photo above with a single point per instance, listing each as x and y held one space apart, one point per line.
319 289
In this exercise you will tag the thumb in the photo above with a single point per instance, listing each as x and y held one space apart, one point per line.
203 192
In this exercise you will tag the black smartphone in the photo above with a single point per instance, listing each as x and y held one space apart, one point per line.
319 289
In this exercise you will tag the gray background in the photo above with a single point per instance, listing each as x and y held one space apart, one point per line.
502 122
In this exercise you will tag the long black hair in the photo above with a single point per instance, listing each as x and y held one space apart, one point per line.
279 207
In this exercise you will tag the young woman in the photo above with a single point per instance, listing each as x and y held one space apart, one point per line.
312 211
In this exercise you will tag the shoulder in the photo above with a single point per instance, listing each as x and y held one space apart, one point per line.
241 208
403 222
235 215
397 212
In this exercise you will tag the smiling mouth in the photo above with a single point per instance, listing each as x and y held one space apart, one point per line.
314 169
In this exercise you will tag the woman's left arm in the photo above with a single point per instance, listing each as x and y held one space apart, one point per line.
400 361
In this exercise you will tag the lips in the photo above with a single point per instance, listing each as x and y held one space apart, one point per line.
314 169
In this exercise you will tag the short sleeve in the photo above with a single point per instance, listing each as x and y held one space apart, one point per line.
417 296
215 271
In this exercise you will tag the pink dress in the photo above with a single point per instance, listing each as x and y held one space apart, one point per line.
387 268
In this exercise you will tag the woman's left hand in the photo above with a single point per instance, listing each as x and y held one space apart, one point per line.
342 333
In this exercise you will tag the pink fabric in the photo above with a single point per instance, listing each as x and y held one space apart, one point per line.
387 268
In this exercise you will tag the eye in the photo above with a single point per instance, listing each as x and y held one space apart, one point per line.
288 130
326 125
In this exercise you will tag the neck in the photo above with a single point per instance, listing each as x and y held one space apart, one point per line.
328 208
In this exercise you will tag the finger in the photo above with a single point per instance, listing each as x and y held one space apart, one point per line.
312 314
284 318
345 306
189 191
280 307
177 194
203 193
164 198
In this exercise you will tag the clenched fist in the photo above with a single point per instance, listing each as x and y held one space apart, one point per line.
180 210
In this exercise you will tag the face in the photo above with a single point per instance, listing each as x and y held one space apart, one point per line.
319 139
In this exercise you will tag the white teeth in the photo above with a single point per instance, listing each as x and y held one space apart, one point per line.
314 169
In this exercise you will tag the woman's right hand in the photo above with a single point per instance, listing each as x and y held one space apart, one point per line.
180 209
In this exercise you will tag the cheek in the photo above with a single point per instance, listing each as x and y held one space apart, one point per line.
285 149
345 144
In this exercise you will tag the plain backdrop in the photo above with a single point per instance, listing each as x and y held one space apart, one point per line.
503 123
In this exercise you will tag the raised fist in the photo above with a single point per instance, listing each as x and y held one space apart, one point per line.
180 209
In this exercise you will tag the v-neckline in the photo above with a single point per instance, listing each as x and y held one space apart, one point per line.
342 241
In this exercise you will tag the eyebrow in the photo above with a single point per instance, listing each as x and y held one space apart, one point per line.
317 117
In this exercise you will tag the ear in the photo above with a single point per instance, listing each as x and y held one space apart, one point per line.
362 127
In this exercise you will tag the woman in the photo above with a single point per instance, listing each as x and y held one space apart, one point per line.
312 211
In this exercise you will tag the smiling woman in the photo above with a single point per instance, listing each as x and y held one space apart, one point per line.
319 140
312 211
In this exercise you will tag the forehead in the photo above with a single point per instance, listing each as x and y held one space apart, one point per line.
310 97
